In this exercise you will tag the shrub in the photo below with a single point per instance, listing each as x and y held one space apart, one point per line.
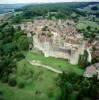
12 80
4 79
23 43
21 85
50 94
94 8
1 95
50 34
19 56
45 28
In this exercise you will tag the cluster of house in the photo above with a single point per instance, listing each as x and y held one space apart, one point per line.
57 38
92 70
60 39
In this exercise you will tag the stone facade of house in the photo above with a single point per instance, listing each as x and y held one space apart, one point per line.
92 70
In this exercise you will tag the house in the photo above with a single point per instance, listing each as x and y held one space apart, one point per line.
92 70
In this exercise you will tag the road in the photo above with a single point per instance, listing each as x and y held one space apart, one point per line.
45 66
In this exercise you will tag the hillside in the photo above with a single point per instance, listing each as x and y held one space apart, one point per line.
4 8
49 51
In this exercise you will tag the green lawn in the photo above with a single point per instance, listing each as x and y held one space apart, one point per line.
83 24
61 64
41 80
40 83
13 93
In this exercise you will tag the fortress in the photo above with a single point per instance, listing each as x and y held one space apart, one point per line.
56 38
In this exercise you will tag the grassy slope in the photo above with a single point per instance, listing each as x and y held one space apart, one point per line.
10 93
43 80
40 80
61 64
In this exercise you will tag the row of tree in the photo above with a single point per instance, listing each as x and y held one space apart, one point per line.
12 43
75 87
58 11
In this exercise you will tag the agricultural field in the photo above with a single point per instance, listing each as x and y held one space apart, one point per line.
83 24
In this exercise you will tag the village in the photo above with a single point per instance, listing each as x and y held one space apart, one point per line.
56 38
49 51
60 39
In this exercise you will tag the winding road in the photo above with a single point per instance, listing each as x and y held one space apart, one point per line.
45 66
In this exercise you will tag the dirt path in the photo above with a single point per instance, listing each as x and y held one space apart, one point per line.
89 55
45 66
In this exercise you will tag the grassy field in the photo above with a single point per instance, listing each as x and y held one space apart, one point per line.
61 64
40 83
13 93
89 10
41 79
84 24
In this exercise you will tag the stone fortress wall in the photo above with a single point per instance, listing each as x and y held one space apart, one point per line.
59 38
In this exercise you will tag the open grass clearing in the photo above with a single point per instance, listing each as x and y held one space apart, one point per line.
60 64
41 80
40 83
83 24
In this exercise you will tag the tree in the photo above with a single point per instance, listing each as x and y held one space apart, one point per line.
83 59
94 8
8 48
17 19
88 28
17 34
12 41
8 30
75 87
23 43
